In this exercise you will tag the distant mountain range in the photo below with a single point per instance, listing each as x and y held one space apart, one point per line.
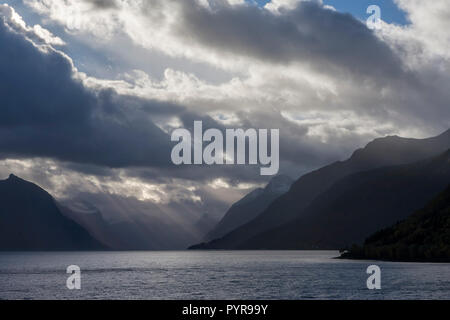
30 220
330 208
250 206
119 235
125 223
291 218
359 205
424 236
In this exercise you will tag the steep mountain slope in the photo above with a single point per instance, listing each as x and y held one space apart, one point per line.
31 220
250 206
125 223
381 152
424 236
359 205
206 223
119 235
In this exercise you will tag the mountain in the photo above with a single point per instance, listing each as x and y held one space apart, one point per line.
206 223
388 151
125 223
424 236
30 220
250 206
358 205
118 235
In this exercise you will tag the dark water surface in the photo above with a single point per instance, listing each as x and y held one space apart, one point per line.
214 275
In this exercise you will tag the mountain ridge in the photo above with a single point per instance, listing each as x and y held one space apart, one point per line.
423 236
31 220
380 152
250 206
360 204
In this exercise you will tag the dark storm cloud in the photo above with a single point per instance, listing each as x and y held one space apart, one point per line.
46 112
309 33
104 4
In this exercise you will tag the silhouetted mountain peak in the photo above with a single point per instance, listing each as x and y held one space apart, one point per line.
445 134
396 150
251 205
377 145
31 220
382 152
279 184
13 177
16 182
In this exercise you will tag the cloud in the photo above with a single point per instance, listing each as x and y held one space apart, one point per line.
429 24
321 76
326 81
104 4
52 111
47 111
293 57
307 33
232 35
35 33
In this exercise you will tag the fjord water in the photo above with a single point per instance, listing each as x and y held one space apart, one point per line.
215 275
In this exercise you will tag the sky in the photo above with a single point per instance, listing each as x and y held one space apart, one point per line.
92 90
391 13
